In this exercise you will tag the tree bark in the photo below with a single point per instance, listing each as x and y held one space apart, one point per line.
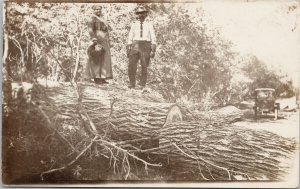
209 146
120 118
143 120
226 152
227 114
7 90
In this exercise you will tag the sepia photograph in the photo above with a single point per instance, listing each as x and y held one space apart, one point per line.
157 93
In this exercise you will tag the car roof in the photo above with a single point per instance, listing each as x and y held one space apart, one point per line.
264 89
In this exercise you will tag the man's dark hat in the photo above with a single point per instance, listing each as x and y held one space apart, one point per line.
96 6
140 9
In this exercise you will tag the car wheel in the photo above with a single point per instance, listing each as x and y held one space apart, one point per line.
255 113
276 113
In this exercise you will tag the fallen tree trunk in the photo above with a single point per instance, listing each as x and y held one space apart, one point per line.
210 148
226 152
116 115
227 114
123 114
143 120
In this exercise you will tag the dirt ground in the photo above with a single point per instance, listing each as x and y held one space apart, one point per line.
287 124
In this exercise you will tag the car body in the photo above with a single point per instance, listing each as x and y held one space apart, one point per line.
265 102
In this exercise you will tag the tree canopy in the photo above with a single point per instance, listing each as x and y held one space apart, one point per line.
192 64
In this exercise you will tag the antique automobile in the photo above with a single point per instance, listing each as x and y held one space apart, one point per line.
265 102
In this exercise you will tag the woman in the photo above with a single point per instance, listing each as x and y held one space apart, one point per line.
99 67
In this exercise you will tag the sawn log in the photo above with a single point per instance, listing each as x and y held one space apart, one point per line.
226 152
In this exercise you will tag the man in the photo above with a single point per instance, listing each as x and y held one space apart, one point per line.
99 66
141 46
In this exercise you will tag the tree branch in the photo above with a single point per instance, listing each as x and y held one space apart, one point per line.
77 55
205 161
106 143
71 162
56 131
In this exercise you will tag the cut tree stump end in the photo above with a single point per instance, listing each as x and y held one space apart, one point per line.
174 115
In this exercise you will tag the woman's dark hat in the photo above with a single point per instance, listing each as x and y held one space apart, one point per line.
140 10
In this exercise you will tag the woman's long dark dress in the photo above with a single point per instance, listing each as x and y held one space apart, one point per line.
99 67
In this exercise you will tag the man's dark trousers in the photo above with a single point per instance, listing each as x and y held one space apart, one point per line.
140 50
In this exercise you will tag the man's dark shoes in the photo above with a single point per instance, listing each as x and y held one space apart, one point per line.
103 81
131 86
97 81
100 81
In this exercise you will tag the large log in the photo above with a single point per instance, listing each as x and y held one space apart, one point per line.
133 121
125 114
118 113
226 152
227 114
212 151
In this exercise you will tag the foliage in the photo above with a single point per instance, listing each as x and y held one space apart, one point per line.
193 64
192 61
29 146
263 77
42 35
189 61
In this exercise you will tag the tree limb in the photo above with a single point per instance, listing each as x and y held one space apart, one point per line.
71 162
128 153
56 131
207 162
77 54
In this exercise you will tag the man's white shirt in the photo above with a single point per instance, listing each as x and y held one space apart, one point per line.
135 32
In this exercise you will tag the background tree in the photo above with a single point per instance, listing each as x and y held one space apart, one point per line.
192 61
193 64
261 77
